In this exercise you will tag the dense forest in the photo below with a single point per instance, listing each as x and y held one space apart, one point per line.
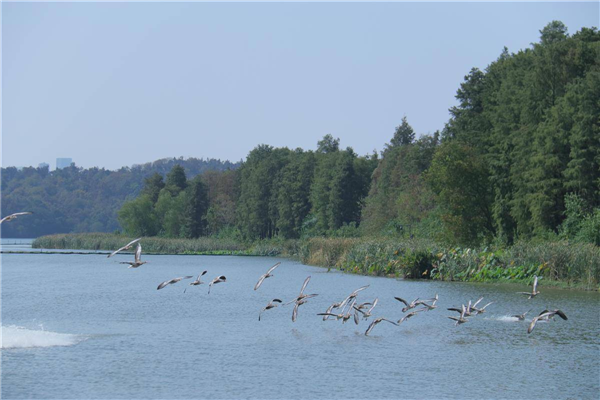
519 159
81 200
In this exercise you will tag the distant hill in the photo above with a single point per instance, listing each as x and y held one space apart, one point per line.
74 199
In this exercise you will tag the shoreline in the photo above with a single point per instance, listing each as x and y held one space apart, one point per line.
559 264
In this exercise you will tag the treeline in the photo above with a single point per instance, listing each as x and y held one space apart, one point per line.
519 159
81 200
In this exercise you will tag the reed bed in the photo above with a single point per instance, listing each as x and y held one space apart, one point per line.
561 262
156 245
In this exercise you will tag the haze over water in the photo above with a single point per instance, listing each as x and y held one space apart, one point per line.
84 326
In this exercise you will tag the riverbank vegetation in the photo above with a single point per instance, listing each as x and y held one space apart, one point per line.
561 262
509 188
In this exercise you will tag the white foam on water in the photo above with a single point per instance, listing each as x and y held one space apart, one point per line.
16 337
506 318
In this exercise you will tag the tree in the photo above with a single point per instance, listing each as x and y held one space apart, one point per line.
176 180
328 144
137 217
153 185
404 134
195 209
459 178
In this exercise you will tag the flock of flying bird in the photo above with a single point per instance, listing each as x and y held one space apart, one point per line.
347 308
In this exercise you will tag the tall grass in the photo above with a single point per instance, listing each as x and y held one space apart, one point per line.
107 241
575 264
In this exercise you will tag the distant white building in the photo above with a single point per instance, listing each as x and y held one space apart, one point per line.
63 163
43 165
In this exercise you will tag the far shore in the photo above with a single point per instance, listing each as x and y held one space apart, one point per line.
559 264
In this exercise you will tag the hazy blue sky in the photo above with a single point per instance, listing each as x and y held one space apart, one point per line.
123 83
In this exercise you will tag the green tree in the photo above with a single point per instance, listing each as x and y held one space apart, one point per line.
176 180
404 134
152 186
137 217
459 178
195 209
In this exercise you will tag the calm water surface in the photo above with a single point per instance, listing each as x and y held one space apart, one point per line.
84 326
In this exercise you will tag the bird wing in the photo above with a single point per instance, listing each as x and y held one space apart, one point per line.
277 301
304 284
4 219
295 312
21 213
477 302
356 320
273 268
483 308
138 253
561 314
370 328
132 242
115 252
532 325
402 300
165 283
260 281
387 320
359 289
373 306
535 282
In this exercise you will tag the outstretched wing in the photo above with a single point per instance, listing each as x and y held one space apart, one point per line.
260 281
402 300
295 313
373 306
535 282
304 285
273 268
165 283
138 253
132 242
115 252
370 328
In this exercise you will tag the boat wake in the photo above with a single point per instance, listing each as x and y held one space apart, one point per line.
16 337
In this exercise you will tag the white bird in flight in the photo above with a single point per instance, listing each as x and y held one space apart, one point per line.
14 216
172 281
126 247
267 275
137 260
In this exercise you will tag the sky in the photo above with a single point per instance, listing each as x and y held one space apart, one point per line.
117 84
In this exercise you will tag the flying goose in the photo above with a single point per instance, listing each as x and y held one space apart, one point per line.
366 314
521 317
265 276
14 216
408 305
343 316
302 295
534 292
482 309
351 297
218 279
126 247
299 303
197 281
172 281
545 315
461 319
409 315
329 309
269 306
137 258
375 322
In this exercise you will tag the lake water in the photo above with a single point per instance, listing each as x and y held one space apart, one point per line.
84 326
